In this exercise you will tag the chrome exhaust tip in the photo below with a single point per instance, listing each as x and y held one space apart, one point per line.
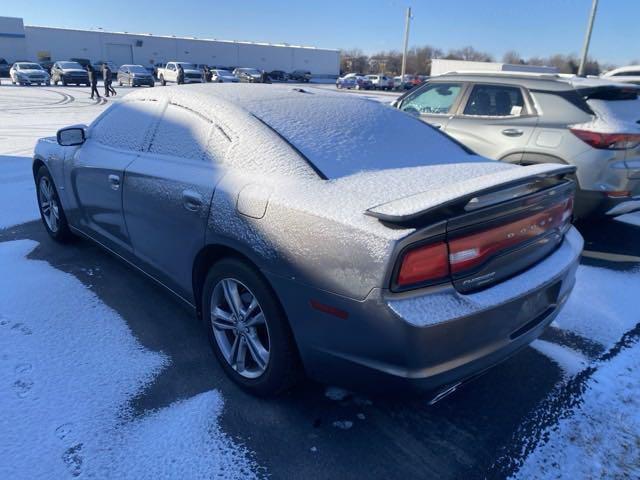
444 393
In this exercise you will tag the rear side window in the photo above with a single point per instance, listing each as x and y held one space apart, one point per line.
495 101
437 98
629 73
186 134
126 125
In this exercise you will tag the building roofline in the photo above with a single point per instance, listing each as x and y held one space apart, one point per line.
176 37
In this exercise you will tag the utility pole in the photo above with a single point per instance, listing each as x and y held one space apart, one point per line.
406 44
587 38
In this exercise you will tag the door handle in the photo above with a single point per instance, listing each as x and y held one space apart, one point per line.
512 132
114 180
436 125
191 200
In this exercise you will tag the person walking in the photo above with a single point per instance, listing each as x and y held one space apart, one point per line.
180 75
93 80
107 78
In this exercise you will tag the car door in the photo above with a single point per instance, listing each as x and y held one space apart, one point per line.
168 192
495 121
434 102
95 172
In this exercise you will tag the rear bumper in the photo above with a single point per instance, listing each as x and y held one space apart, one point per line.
427 341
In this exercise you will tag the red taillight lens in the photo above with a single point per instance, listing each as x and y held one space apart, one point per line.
424 264
608 141
471 251
437 262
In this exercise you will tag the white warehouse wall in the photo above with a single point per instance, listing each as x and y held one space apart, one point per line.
62 44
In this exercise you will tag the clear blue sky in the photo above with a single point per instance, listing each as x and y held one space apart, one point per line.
531 27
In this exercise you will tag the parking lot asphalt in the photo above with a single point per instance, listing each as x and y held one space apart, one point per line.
474 433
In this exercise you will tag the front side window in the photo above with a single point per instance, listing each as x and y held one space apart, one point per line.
437 98
495 101
628 73
126 125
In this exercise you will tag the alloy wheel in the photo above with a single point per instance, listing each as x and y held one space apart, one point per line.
49 204
240 328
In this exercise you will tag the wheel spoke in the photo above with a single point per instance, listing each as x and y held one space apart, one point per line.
55 210
251 308
241 354
232 296
257 351
256 320
231 358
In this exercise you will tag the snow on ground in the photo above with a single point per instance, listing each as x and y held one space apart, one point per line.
603 305
630 218
570 361
601 438
69 365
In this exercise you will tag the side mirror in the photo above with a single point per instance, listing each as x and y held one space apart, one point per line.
71 136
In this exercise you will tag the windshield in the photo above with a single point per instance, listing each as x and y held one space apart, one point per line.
28 66
250 71
344 136
70 65
137 69
224 73
188 66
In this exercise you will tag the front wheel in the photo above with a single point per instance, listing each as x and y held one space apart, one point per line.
162 81
248 329
51 212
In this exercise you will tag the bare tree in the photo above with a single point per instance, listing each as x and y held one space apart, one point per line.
512 57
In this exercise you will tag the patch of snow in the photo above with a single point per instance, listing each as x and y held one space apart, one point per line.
630 218
361 416
570 361
613 116
69 368
602 304
437 308
343 424
601 437
17 191
336 393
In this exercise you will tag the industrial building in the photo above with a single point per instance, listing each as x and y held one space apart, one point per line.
28 42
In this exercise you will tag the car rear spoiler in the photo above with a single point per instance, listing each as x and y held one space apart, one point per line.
468 195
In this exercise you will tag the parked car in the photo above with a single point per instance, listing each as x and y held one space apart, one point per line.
354 80
249 75
630 74
300 76
339 237
99 65
4 67
169 74
82 61
381 82
220 76
29 73
134 76
532 118
278 76
400 83
67 72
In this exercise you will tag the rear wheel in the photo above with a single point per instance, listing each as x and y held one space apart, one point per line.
51 212
248 330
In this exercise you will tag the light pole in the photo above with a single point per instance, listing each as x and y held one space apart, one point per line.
587 38
406 44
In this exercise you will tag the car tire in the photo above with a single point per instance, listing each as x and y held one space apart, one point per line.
162 81
282 368
51 211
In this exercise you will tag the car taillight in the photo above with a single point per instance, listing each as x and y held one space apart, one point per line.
424 264
436 262
608 141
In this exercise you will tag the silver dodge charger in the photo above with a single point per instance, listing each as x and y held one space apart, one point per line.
318 233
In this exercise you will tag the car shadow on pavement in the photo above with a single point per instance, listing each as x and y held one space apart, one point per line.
304 433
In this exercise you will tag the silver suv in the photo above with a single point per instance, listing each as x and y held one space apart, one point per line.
526 119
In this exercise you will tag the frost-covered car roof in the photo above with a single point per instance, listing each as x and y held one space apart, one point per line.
341 135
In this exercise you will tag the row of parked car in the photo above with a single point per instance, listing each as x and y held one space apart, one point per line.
359 81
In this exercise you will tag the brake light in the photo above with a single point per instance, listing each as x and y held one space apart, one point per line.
608 141
423 264
436 262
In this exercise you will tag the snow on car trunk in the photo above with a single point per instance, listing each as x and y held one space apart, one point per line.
70 366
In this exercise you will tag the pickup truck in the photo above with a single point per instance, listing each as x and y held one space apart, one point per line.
169 74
